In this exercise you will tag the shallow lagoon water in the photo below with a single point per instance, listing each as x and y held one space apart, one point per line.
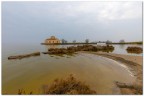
32 73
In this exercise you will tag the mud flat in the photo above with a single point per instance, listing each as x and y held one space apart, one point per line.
135 65
24 56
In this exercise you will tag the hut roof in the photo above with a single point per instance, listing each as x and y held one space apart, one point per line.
52 38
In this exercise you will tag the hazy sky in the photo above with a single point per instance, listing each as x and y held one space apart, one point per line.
98 21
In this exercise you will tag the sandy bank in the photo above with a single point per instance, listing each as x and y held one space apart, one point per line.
135 59
134 63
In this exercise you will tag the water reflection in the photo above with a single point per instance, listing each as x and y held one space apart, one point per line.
53 46
122 46
121 49
57 46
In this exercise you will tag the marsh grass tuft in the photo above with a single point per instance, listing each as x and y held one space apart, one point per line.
69 85
136 50
135 89
23 92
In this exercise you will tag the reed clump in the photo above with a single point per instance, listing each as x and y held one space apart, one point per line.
136 50
73 49
23 92
133 88
69 85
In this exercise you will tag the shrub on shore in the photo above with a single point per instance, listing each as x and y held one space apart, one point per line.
133 88
69 85
134 50
73 49
23 92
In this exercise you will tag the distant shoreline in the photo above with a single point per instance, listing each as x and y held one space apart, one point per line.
139 43
65 43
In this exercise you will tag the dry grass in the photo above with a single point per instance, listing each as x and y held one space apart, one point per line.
68 86
23 92
130 88
73 49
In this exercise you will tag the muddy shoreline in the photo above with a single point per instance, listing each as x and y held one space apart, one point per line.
135 65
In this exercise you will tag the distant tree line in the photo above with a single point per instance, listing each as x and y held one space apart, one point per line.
64 41
122 41
74 41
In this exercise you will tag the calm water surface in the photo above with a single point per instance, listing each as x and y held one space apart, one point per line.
32 73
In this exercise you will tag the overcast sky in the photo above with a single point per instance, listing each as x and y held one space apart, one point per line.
98 21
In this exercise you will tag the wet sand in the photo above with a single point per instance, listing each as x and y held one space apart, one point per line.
136 59
135 64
